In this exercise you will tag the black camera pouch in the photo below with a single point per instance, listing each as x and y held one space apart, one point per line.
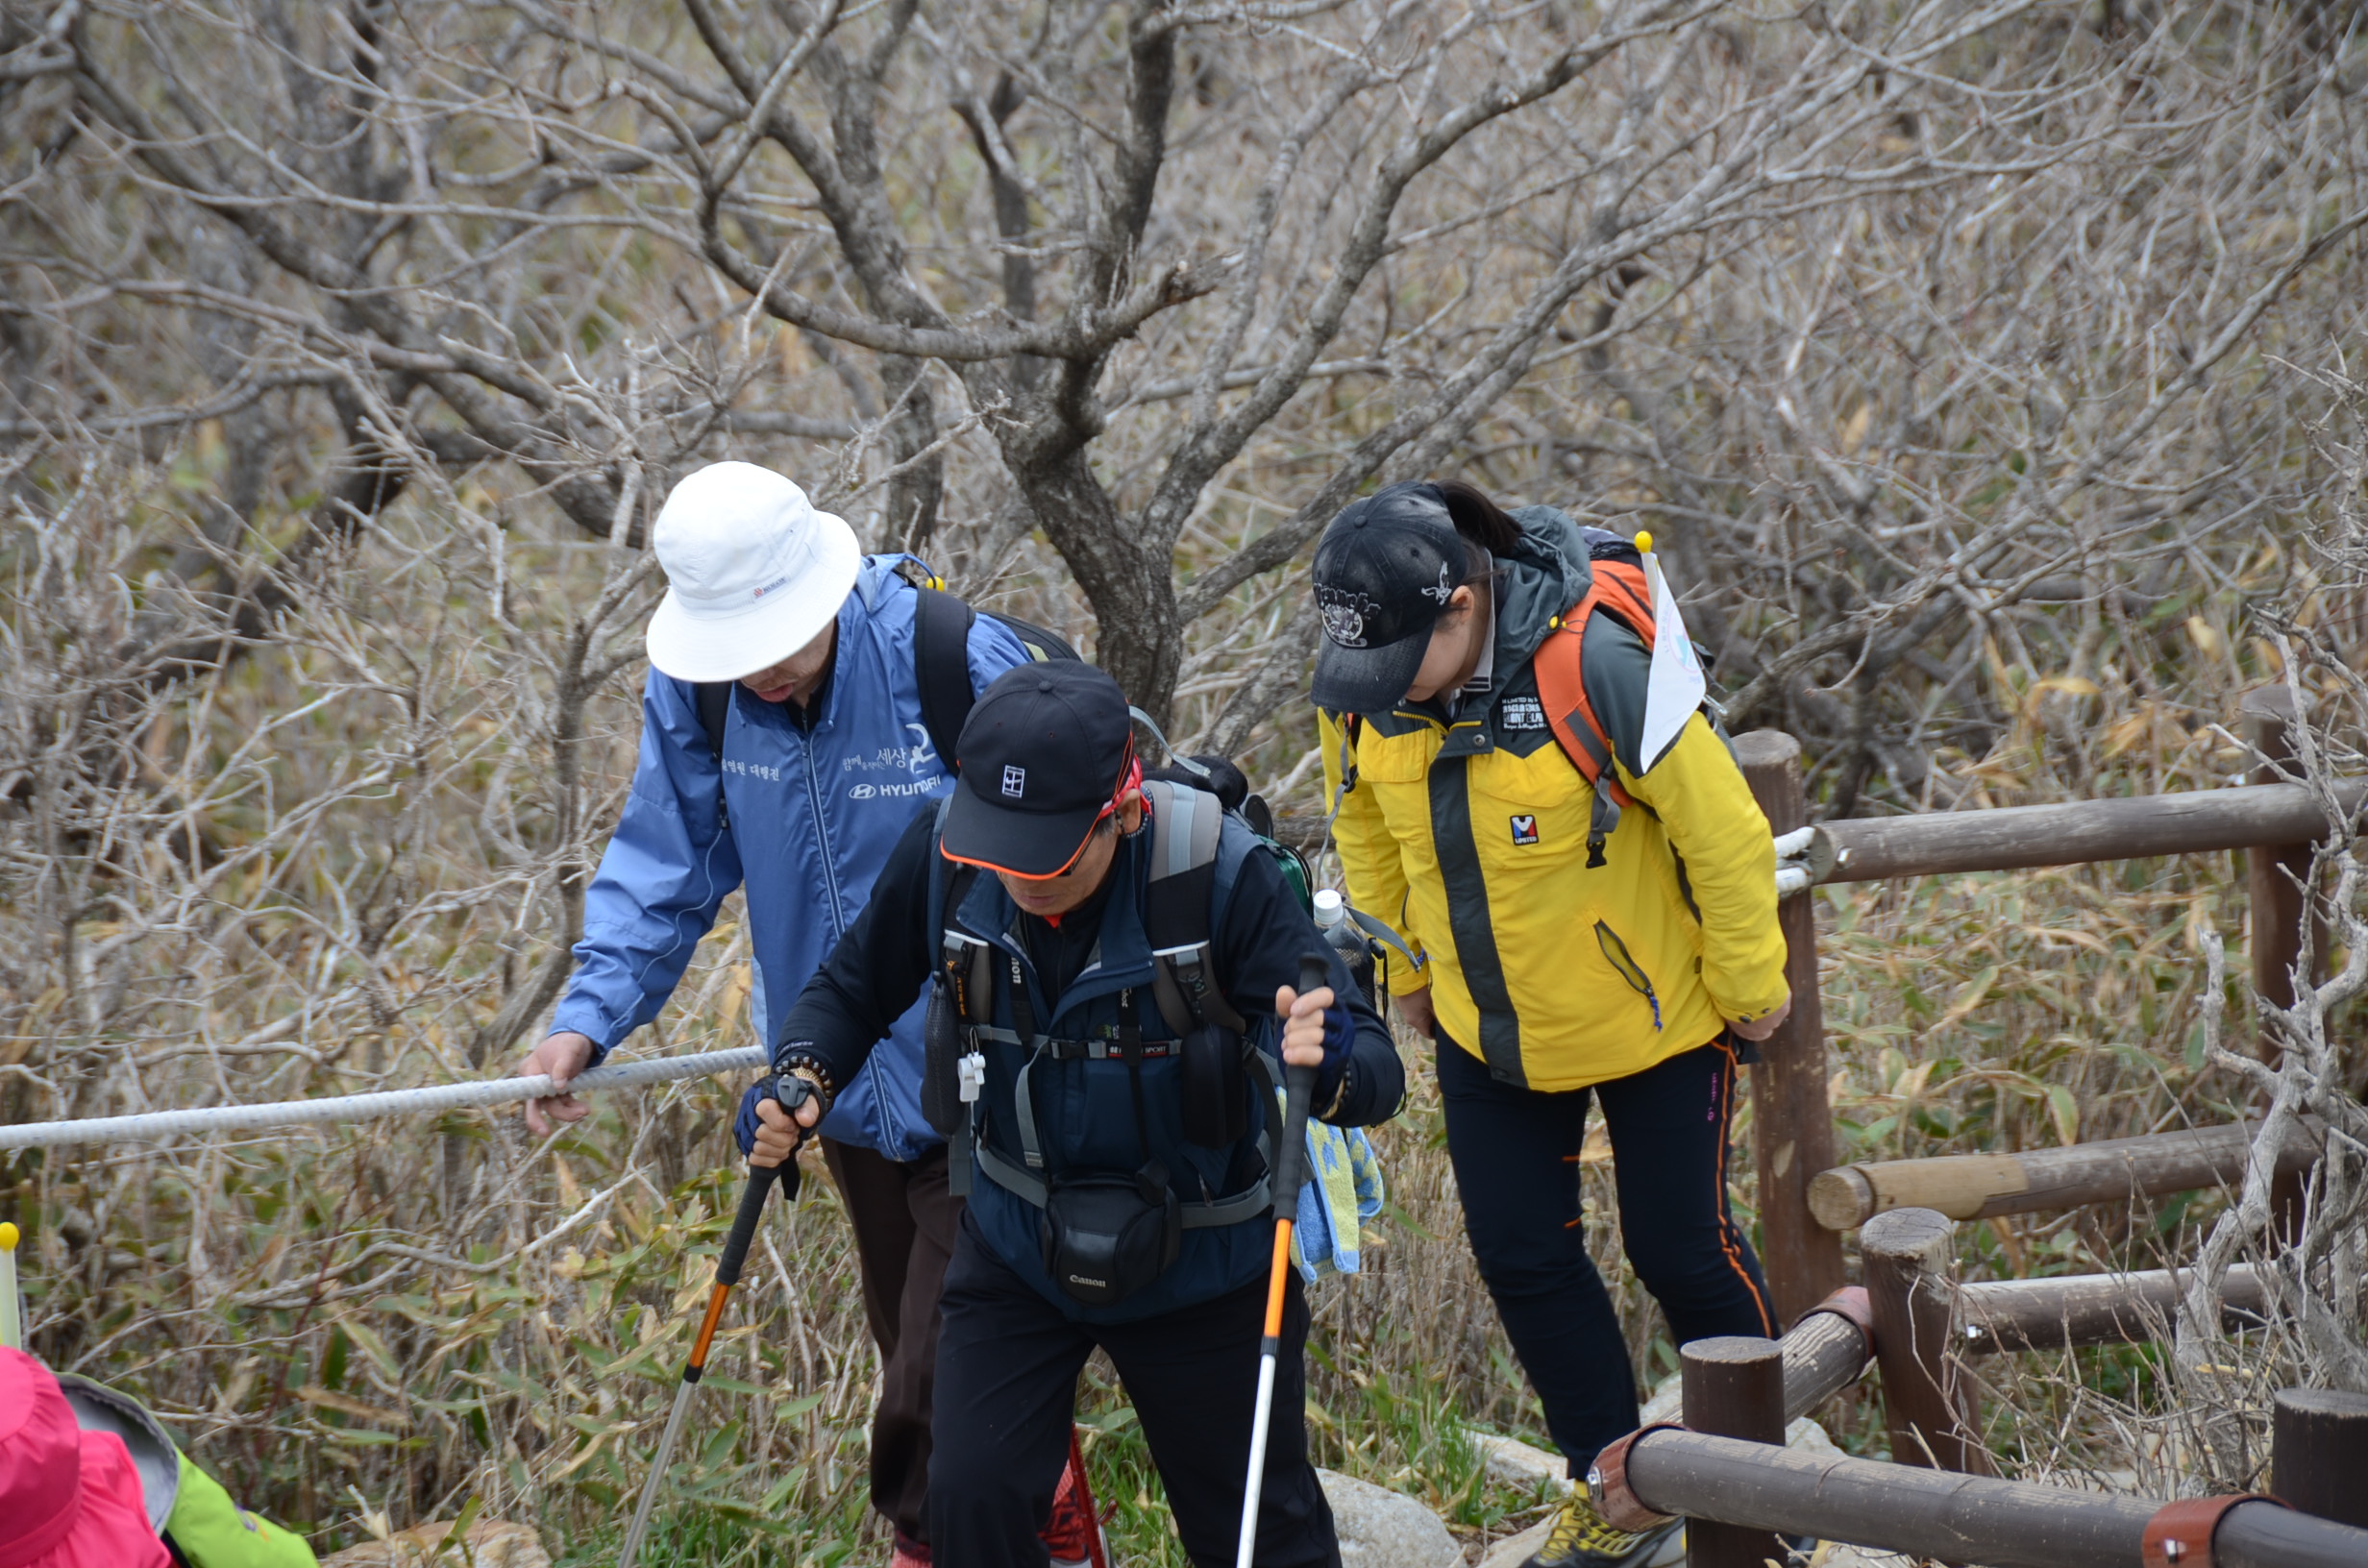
1105 1237
1214 1086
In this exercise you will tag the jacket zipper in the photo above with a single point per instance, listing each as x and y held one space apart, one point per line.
1628 969
821 836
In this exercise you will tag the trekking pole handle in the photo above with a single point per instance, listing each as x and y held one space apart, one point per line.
1298 1089
792 1092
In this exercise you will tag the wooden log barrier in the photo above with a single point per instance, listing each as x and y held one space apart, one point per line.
1792 1115
1910 1259
1734 1387
2131 827
2002 1524
1827 1351
2074 1309
2318 1454
2110 1170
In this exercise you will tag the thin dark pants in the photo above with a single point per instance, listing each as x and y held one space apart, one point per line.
1515 1153
1008 1362
905 1220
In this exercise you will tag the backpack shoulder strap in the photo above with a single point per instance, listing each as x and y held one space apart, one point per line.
714 700
1187 828
1619 675
942 664
966 961
1617 590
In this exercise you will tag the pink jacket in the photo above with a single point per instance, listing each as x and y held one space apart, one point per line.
68 1497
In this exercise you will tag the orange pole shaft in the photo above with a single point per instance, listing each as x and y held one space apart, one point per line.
1276 1276
706 1326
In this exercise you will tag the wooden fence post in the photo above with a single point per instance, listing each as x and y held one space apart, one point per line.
1735 1387
2276 877
1791 1117
2319 1453
2271 872
1908 1260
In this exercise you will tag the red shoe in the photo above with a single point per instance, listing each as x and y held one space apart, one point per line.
910 1554
1073 1535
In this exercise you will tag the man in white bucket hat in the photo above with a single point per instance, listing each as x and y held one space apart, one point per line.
754 572
788 723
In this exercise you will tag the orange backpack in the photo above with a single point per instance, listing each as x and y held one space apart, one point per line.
1618 588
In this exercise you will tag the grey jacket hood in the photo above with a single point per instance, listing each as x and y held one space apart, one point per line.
1546 573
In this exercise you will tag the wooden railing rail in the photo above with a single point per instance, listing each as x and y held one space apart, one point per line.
1793 1137
2040 1181
1827 1351
2016 838
2068 1310
1926 1325
1669 1471
1726 1471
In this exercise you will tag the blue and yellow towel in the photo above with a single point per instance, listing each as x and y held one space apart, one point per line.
1344 1191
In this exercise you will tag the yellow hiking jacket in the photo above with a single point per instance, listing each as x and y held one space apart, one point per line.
1470 837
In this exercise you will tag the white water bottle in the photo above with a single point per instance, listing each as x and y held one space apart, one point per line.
1347 939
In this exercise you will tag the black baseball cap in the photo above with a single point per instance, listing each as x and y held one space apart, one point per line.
1044 756
1383 570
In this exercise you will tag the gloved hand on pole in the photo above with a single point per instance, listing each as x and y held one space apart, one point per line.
779 1131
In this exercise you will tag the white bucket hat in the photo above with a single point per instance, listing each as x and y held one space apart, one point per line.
754 573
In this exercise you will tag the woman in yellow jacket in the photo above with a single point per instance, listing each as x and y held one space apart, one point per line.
1636 975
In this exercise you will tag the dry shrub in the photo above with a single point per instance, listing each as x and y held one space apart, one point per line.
1979 430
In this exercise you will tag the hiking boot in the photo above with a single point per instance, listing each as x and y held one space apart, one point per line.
1072 1536
910 1554
1582 1538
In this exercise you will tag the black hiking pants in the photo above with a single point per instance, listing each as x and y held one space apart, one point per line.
1515 1153
1007 1365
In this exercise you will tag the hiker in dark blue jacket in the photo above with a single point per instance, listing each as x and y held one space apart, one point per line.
1112 958
806 649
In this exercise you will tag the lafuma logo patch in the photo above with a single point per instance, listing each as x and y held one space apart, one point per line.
1525 830
1015 782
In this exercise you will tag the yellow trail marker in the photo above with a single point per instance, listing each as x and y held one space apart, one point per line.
1644 544
12 1324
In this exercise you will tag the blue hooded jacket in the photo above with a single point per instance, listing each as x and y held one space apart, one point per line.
814 813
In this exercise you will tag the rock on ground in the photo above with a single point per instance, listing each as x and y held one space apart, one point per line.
1518 1463
1833 1555
491 1543
1380 1529
1514 1550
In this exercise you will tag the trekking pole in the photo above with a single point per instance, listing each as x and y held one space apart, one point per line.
12 1324
792 1093
1289 1168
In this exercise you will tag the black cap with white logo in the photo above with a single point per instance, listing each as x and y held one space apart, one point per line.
1042 757
1383 570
